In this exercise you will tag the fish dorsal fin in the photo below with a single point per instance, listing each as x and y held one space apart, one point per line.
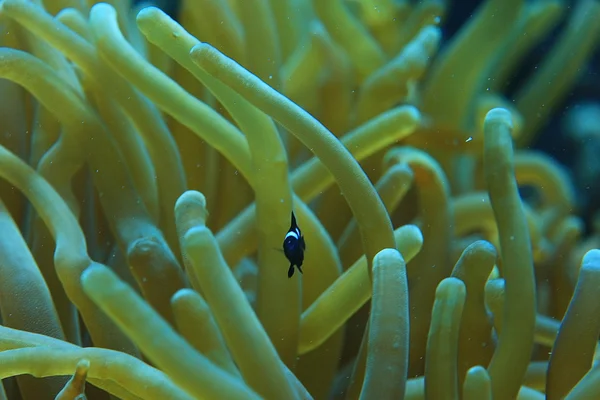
293 224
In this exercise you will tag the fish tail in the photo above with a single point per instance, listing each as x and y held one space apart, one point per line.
291 271
300 269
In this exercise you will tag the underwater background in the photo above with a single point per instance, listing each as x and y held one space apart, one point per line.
299 199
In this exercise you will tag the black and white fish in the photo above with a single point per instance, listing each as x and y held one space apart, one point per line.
294 246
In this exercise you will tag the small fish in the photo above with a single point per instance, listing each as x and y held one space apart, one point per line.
294 246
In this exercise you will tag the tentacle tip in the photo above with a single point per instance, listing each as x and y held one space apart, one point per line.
388 257
195 236
182 294
415 231
148 13
591 259
499 115
413 113
450 285
432 33
388 252
481 247
103 8
191 197
82 368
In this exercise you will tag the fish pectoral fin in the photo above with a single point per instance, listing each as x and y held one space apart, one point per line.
291 271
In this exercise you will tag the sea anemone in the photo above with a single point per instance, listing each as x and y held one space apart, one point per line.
129 137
